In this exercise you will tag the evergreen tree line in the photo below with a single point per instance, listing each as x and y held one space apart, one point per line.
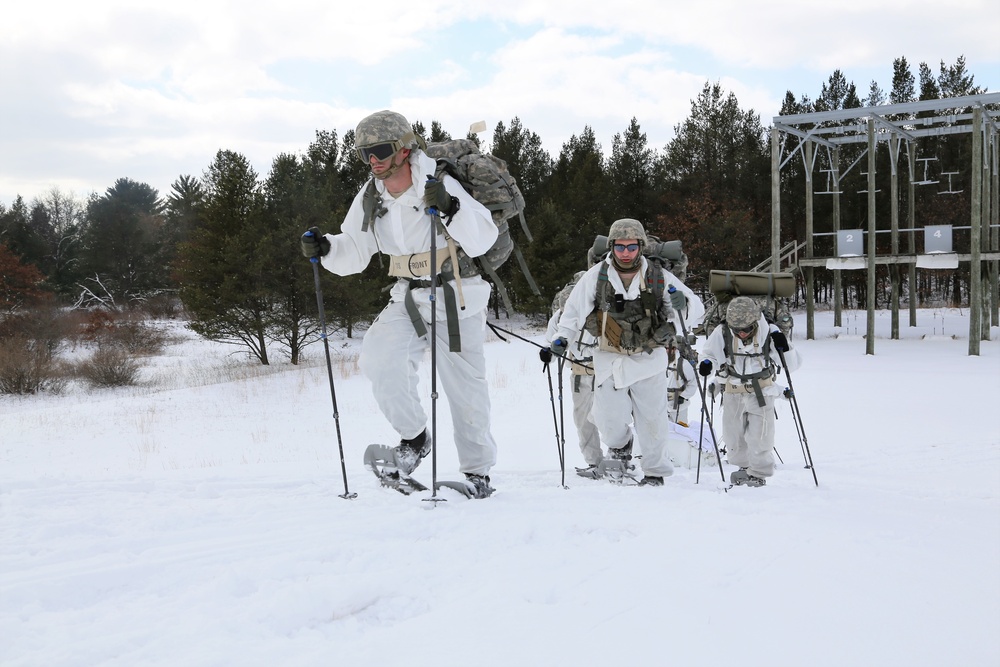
228 243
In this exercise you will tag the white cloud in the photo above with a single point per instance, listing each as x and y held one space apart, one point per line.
95 91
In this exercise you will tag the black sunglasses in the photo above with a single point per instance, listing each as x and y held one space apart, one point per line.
380 151
631 247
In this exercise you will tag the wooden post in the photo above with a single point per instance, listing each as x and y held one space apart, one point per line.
838 285
894 221
911 224
810 305
989 294
775 200
870 328
975 270
995 222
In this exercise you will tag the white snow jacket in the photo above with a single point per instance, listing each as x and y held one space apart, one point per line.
714 351
405 229
623 368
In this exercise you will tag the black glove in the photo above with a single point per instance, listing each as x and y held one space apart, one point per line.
436 196
559 346
315 244
677 299
705 368
545 355
779 341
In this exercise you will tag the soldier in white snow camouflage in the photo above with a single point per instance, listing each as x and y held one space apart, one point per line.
396 342
743 354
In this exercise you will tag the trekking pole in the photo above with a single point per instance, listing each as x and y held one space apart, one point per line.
775 449
701 436
562 425
704 408
555 421
560 431
798 427
798 417
435 222
347 495
499 331
701 429
677 384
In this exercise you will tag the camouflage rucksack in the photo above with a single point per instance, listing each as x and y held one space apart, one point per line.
487 179
665 254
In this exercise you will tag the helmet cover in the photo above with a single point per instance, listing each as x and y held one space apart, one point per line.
383 127
742 312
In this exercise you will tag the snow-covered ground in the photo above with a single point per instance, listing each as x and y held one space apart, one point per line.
197 520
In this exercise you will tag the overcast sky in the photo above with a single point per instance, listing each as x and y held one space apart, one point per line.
94 91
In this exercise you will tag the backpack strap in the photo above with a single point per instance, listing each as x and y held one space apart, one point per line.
754 378
373 207
446 165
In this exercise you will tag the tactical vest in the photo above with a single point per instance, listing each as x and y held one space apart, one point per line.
753 380
631 326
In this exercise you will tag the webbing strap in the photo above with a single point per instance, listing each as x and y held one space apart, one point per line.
411 310
450 309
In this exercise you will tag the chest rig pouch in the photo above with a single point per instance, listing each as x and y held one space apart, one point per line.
631 326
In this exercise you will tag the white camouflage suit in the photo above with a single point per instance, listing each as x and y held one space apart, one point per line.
391 351
748 428
629 388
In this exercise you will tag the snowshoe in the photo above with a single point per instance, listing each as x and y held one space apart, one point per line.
590 472
742 477
650 480
381 460
474 486
616 471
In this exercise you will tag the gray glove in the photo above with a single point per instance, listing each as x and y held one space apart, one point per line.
559 346
677 299
436 196
315 244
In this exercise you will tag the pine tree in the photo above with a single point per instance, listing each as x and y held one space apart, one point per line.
224 269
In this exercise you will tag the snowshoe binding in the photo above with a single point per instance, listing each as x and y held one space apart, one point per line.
590 472
381 460
479 485
618 467
742 477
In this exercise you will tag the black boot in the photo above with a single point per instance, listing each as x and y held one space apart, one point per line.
409 453
649 480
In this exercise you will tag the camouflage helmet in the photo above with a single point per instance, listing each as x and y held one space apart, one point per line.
384 127
742 312
627 228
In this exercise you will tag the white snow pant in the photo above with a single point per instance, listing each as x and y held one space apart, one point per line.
644 403
390 356
748 431
586 430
